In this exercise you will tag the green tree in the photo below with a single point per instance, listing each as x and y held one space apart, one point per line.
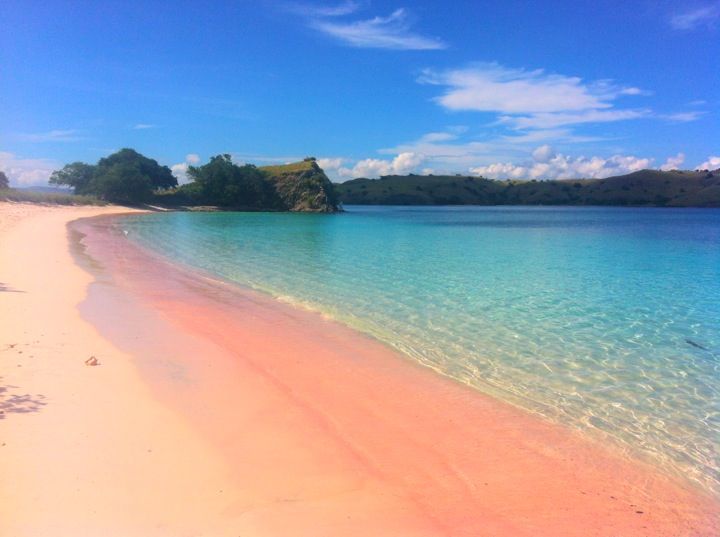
226 184
4 182
125 176
159 177
122 182
77 175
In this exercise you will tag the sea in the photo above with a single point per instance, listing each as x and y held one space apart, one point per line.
606 320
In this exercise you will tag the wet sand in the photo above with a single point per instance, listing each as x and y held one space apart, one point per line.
332 433
218 411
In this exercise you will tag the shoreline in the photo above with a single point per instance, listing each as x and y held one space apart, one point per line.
621 446
309 427
344 355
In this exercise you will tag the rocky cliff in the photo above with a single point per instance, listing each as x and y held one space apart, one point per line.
303 186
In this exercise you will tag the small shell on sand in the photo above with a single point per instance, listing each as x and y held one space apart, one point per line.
92 361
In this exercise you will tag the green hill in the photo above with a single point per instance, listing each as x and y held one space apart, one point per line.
222 184
642 188
303 186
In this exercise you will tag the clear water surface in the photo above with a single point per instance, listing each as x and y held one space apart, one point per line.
605 319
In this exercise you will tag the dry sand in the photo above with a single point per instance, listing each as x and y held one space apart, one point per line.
84 451
229 414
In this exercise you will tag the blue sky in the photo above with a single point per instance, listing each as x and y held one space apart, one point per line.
503 89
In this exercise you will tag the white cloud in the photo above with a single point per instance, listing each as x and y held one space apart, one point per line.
529 154
481 158
406 162
68 135
712 163
546 135
180 169
543 153
371 167
634 91
706 15
546 164
391 32
457 151
683 117
331 164
344 8
144 126
531 99
455 156
180 172
490 87
27 171
432 137
552 120
673 163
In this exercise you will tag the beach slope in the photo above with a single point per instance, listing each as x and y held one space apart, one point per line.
84 450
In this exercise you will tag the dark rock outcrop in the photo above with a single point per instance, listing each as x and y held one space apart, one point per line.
303 187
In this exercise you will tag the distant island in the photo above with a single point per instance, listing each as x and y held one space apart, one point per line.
642 188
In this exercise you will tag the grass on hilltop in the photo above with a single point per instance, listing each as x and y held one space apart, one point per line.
293 167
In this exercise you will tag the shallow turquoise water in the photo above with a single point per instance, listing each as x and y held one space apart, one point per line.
605 319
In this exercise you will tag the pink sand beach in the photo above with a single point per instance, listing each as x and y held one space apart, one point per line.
218 411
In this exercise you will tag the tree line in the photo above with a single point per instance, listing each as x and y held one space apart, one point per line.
130 177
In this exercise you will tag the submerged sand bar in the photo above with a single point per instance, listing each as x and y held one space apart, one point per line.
218 411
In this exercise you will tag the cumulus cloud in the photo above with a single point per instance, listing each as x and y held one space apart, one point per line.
706 15
673 163
24 172
457 150
371 167
481 158
391 32
331 164
712 163
180 169
543 153
531 99
547 164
